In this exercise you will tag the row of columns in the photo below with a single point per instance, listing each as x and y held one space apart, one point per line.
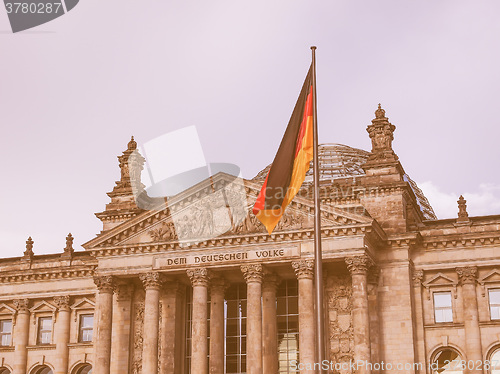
262 345
61 335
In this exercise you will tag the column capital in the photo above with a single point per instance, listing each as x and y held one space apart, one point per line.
62 303
151 280
198 277
417 277
21 305
218 284
252 273
467 274
358 264
304 268
124 290
104 283
270 281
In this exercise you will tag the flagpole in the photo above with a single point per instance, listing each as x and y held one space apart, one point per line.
318 261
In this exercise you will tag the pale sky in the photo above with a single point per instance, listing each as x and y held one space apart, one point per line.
74 90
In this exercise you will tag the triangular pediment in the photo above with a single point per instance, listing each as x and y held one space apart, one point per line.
221 206
492 277
5 309
439 280
43 306
83 304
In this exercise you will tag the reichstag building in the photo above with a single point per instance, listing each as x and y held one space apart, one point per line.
196 285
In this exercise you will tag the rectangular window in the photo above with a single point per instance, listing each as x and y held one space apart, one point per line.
5 332
442 307
494 303
86 328
44 330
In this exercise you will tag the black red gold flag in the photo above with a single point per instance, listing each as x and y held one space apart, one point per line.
288 170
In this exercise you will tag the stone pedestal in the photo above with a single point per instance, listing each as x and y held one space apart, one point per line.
173 311
217 288
120 341
21 333
103 323
467 276
253 277
358 267
61 334
304 270
269 324
199 346
151 282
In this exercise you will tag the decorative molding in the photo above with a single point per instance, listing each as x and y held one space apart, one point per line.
151 280
198 277
467 274
21 305
62 303
442 281
252 273
104 283
304 269
417 277
47 274
358 264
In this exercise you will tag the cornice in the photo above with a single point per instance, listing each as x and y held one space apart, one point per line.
231 241
461 240
46 274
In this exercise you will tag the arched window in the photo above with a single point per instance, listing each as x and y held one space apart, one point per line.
4 371
495 361
83 369
42 370
446 361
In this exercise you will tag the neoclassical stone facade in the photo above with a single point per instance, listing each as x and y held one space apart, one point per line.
194 284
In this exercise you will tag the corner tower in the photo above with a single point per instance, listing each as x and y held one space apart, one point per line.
123 205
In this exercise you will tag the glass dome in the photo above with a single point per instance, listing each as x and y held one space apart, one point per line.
341 161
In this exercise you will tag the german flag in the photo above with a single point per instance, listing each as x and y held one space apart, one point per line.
291 162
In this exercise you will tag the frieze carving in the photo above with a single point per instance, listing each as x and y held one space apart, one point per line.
104 283
198 277
467 274
252 272
165 232
417 277
358 264
62 302
151 280
21 305
304 268
341 332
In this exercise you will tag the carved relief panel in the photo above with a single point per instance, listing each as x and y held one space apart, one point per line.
339 291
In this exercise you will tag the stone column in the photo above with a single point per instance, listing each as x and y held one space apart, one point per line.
122 319
21 334
217 288
358 267
304 270
417 277
372 290
199 345
172 328
253 277
467 276
151 282
269 324
103 323
61 334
